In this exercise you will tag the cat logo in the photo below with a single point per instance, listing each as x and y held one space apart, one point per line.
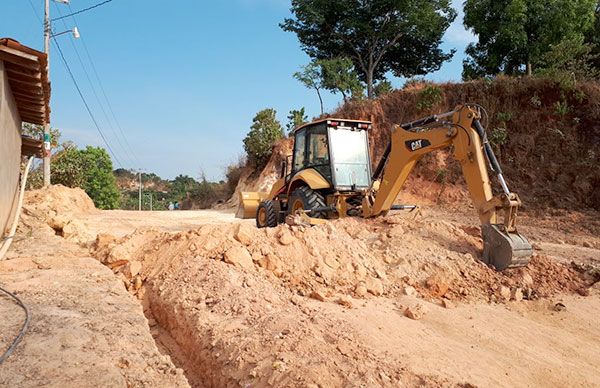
414 145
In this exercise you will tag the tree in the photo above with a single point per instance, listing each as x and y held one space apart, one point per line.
401 36
514 35
312 78
296 118
383 87
264 132
338 75
37 132
90 169
593 38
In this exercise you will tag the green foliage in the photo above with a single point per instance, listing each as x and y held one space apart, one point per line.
514 35
504 116
338 75
536 101
296 118
89 169
402 36
383 87
264 132
498 136
429 97
311 77
568 62
561 108
37 132
233 175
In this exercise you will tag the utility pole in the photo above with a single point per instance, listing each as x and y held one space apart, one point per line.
140 193
47 144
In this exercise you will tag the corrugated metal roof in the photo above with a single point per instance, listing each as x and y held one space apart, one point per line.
27 72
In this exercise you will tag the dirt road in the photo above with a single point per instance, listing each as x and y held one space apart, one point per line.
295 306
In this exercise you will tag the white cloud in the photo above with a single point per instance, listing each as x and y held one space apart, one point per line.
456 33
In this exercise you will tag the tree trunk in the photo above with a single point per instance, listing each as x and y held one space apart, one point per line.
529 70
370 83
320 99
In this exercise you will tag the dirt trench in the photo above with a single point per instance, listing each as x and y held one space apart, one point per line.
235 305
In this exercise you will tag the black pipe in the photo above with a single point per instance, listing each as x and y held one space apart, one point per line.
495 166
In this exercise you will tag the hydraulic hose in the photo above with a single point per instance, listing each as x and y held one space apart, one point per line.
491 157
6 241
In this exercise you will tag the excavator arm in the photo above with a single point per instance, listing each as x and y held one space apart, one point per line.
461 129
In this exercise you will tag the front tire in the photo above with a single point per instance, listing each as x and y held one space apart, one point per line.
305 198
266 214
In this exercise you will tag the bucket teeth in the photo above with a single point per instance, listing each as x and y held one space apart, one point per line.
504 249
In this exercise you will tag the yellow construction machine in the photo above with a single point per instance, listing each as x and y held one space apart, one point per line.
329 176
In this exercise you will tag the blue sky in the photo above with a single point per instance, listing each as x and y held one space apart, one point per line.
184 78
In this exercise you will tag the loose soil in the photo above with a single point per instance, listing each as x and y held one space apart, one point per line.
400 300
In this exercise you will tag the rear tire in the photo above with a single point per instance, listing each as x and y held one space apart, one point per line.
307 199
267 214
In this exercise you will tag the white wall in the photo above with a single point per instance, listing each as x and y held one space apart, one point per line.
10 152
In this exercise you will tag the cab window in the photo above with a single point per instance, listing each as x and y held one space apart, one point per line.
299 151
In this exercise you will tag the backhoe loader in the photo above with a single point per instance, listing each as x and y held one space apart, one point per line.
329 176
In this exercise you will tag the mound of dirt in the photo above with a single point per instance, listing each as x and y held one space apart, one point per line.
245 303
347 257
56 210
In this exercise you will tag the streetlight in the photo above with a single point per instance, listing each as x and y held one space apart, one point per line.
73 31
47 35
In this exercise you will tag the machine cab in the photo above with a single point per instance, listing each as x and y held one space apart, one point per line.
336 148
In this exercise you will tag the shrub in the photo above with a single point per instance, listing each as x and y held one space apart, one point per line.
429 97
264 132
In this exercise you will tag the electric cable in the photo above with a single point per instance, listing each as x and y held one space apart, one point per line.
23 329
82 11
127 153
87 107
130 149
3 249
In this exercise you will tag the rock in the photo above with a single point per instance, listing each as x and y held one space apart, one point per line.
410 291
559 307
437 285
239 256
527 280
132 269
587 244
137 284
285 237
318 295
344 301
361 290
374 286
448 304
415 312
517 294
243 234
192 247
504 293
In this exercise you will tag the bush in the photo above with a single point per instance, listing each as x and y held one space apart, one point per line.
429 97
264 132
90 169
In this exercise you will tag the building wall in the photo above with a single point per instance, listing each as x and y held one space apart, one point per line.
10 152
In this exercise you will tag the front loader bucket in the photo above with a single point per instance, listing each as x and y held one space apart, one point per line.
504 249
249 201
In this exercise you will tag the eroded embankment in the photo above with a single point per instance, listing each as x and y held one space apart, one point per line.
243 304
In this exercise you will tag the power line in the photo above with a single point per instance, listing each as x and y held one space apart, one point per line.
95 93
118 125
82 11
87 107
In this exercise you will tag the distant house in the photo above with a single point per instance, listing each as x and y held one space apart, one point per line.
24 97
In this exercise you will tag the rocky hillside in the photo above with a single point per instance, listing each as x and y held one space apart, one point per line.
546 136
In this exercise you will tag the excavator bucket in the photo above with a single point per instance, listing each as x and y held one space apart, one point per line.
504 249
249 201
